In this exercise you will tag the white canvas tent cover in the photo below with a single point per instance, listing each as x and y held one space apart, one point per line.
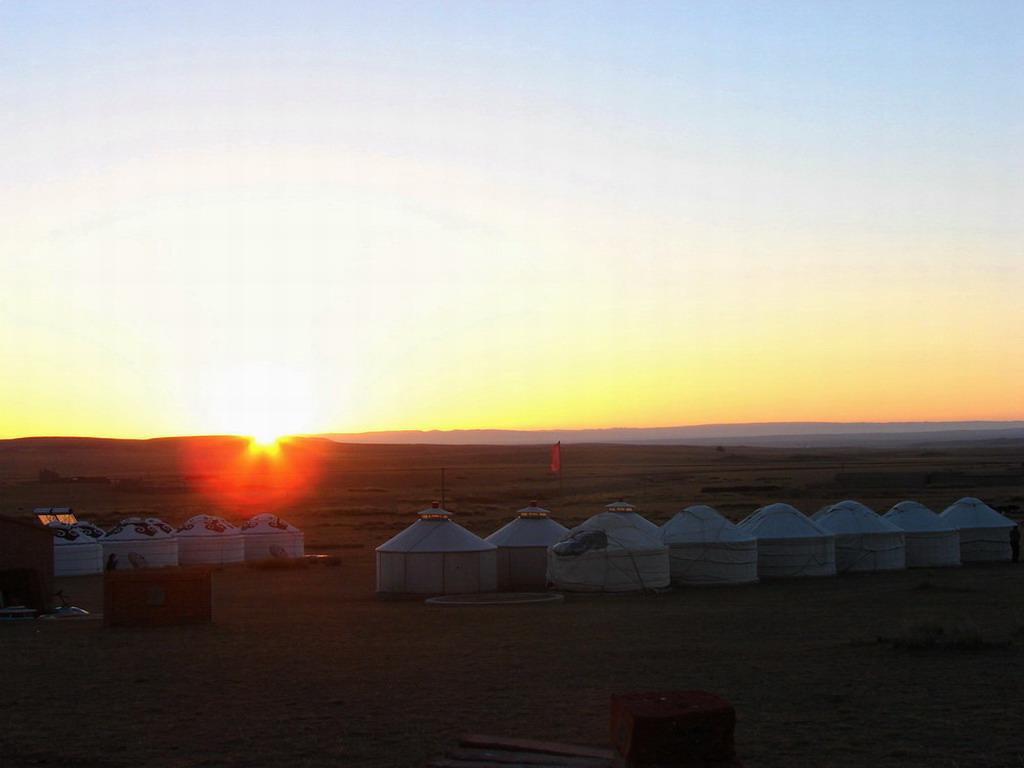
984 533
864 541
435 556
522 556
141 543
931 542
624 559
209 539
790 544
74 553
268 536
628 512
705 548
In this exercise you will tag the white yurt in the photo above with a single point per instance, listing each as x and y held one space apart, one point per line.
91 530
74 553
267 536
984 533
436 556
207 539
705 548
522 556
608 553
628 512
789 544
139 543
864 541
931 542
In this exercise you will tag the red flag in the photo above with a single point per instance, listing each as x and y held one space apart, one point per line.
556 457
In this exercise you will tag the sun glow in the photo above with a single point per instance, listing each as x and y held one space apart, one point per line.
262 401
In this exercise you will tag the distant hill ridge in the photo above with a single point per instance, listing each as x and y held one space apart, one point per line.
808 434
795 434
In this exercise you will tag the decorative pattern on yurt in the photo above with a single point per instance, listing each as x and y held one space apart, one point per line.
207 539
705 548
436 556
522 556
74 552
268 536
864 541
984 533
608 553
789 544
141 543
930 541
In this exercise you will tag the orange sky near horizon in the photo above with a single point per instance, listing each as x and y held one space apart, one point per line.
370 216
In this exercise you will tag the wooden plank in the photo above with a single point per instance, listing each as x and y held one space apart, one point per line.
530 745
517 756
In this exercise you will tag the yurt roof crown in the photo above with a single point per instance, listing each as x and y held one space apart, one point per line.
435 512
620 506
533 511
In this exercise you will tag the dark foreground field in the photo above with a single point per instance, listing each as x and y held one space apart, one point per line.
303 667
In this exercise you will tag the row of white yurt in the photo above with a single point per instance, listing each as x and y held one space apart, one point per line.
864 541
136 542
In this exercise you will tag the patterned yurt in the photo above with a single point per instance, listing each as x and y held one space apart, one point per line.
522 557
608 553
705 548
268 536
931 542
435 556
789 544
74 553
141 543
984 533
207 539
628 513
864 541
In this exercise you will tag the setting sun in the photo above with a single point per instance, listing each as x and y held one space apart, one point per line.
261 400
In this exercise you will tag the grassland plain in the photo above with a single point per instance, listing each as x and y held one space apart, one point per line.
303 667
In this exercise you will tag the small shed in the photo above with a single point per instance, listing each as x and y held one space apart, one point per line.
522 544
26 564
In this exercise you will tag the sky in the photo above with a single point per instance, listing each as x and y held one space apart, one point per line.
271 218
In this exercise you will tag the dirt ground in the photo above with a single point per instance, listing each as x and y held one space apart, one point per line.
304 667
